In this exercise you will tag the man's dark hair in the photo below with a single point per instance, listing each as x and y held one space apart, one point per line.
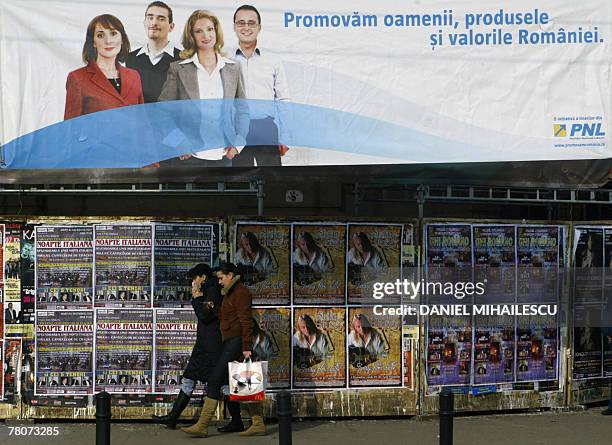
200 270
248 8
227 267
161 5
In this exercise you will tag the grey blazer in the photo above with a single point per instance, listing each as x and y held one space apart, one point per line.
182 84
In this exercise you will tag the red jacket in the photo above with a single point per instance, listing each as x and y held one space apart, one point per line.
88 91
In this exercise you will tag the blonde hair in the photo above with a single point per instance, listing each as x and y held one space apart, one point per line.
189 42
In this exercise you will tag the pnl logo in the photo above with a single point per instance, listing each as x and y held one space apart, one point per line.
560 130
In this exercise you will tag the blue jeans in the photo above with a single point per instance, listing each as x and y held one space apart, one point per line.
231 350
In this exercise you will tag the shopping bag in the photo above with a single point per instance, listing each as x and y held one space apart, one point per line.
248 380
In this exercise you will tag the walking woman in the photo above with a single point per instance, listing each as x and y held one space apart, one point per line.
237 333
206 302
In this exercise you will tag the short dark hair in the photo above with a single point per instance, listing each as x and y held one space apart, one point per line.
227 267
161 5
248 8
107 21
199 270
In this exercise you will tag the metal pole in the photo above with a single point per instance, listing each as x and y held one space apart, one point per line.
103 418
284 413
447 412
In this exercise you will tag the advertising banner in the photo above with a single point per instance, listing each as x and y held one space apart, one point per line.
494 348
64 267
304 111
374 348
319 359
373 255
123 255
262 256
64 352
124 350
178 247
318 257
273 343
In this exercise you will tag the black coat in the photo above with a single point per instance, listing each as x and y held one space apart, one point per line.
205 353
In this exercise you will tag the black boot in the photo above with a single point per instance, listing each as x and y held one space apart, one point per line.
171 418
235 425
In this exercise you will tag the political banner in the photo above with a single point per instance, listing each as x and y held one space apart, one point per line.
272 342
305 112
262 256
374 348
64 267
124 350
318 258
373 256
64 352
319 359
178 247
123 254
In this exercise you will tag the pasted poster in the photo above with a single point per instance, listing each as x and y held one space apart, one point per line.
373 255
262 256
2 349
538 262
318 258
28 291
178 247
2 255
449 350
64 352
123 256
12 261
587 350
318 341
11 374
175 336
64 267
537 344
494 349
495 262
588 264
272 342
124 350
374 348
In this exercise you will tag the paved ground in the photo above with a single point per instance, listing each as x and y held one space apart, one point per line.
583 428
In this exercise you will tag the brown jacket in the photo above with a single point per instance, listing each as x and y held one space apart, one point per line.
236 317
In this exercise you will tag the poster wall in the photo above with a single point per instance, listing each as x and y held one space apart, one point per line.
64 267
64 352
262 254
124 350
123 255
178 247
318 258
319 335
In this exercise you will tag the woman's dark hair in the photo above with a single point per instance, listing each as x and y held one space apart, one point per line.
311 245
365 241
107 21
200 270
252 240
227 267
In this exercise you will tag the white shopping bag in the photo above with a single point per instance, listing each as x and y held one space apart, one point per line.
248 380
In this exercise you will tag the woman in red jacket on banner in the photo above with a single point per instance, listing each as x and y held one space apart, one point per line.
103 83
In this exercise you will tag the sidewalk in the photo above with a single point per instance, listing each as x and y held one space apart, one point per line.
584 428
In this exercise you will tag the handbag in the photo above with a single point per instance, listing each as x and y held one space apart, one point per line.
248 380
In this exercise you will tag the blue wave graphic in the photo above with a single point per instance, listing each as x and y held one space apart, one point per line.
136 136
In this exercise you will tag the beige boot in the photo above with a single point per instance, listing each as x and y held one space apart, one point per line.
258 427
200 428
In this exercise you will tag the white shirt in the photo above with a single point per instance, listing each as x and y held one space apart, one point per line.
264 78
155 58
210 87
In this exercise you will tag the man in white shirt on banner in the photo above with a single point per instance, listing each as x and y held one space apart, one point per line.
264 78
